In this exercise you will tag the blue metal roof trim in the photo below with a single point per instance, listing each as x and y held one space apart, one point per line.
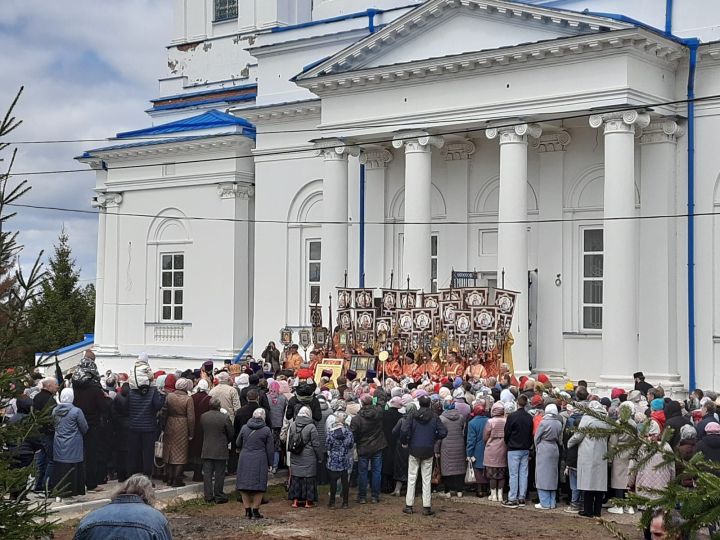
205 92
89 339
186 105
357 15
250 134
207 120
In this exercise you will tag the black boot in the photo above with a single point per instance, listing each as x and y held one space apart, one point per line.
256 514
248 513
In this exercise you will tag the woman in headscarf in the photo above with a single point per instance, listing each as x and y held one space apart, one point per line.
256 447
305 454
653 474
475 447
685 450
452 450
201 404
591 464
179 430
70 426
390 419
620 469
548 439
495 456
278 404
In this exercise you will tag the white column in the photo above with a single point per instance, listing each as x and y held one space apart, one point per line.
106 310
512 257
551 149
657 317
453 241
418 206
375 160
619 335
334 254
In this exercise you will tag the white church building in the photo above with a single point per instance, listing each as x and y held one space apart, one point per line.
546 144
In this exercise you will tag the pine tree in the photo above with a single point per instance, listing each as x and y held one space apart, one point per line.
19 517
63 311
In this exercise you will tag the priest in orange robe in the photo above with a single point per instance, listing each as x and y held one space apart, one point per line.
455 367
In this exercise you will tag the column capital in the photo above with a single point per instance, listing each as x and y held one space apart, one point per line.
458 150
375 157
553 141
335 149
229 190
514 134
104 200
661 130
417 141
620 122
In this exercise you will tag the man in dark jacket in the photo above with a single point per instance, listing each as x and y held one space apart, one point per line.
217 433
640 383
519 440
272 356
709 447
44 401
419 434
143 405
675 420
571 459
304 397
708 411
254 381
242 416
367 429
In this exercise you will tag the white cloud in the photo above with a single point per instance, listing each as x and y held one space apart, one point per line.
89 68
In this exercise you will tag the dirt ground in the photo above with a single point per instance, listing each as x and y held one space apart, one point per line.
456 518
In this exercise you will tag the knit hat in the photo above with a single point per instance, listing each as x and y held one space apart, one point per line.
615 393
713 428
635 396
542 378
406 399
305 373
242 381
688 432
536 401
657 404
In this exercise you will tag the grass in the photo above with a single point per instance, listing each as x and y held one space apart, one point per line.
179 505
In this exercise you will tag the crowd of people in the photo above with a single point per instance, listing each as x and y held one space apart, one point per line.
498 437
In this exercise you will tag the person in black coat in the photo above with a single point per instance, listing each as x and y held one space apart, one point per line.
304 397
519 440
640 383
708 410
119 425
391 417
253 385
217 433
675 420
709 446
272 356
44 401
367 429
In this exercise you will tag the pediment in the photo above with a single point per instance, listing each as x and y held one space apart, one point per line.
441 28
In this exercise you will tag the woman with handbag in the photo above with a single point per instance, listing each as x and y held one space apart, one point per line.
475 448
495 456
304 447
548 439
451 450
179 431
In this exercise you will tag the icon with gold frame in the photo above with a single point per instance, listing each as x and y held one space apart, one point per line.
363 298
365 319
320 336
286 336
405 321
344 319
304 338
463 322
344 298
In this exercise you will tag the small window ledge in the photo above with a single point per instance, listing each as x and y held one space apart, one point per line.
582 335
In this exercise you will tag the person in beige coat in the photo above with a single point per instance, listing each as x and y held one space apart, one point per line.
228 396
179 431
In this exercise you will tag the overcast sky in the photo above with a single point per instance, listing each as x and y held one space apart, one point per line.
89 68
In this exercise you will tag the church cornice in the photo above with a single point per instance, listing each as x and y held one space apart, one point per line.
282 111
631 40
215 144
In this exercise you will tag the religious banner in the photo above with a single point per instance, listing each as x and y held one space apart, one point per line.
389 300
344 298
463 322
363 298
304 338
405 321
505 301
450 294
365 320
329 364
504 322
361 365
408 299
475 297
484 318
448 308
316 316
286 336
320 335
344 319
364 337
431 300
422 319
384 325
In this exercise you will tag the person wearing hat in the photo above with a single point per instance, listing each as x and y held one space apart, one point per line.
708 416
339 443
709 446
272 355
410 368
651 475
393 369
548 440
640 383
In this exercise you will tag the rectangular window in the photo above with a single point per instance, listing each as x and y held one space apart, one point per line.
172 283
313 271
434 262
592 279
226 10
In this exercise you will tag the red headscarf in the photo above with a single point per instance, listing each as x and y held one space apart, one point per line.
170 382
479 409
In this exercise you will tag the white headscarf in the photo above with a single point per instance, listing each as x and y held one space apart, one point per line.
67 395
506 396
305 412
202 386
551 409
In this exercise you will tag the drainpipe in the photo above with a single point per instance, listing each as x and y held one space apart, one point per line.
668 16
692 45
361 269
371 19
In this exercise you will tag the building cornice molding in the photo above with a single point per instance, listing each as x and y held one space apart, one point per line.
231 143
426 14
169 182
662 130
228 190
280 112
637 40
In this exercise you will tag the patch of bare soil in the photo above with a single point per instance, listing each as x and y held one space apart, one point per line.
456 519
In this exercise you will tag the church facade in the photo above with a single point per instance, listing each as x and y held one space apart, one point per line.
554 148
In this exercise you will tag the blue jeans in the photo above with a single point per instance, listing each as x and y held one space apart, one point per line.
547 498
375 462
575 494
518 468
45 464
